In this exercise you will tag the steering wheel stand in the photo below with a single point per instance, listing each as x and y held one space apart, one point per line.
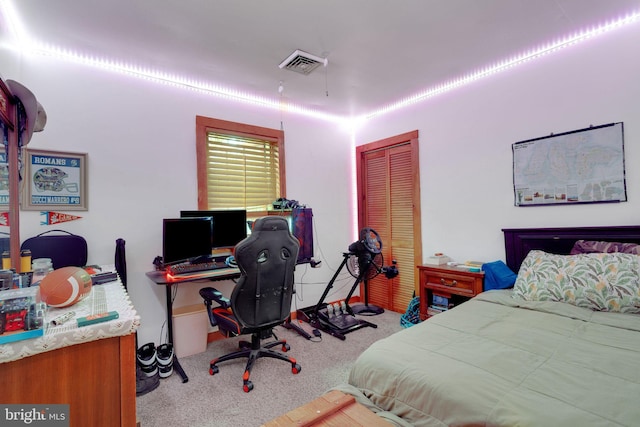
367 309
333 324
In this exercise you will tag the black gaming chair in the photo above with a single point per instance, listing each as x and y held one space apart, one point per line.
262 296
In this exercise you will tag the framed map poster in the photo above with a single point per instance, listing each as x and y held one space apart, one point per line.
581 166
55 180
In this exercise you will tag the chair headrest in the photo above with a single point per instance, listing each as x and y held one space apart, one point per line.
270 223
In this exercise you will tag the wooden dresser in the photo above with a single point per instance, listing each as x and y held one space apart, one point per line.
456 284
91 368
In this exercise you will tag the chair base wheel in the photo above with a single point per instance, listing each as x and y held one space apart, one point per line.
253 353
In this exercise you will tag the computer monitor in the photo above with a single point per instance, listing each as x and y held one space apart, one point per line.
229 226
184 238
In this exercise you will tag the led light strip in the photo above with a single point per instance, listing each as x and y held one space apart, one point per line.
173 80
25 44
504 65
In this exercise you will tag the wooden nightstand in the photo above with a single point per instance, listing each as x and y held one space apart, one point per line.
454 283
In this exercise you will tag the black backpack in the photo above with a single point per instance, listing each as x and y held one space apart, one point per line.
64 249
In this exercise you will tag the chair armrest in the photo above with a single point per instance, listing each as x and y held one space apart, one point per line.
209 295
212 294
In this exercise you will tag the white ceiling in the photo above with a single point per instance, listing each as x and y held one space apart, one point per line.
379 51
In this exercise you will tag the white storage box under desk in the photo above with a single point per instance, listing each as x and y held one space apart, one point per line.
190 329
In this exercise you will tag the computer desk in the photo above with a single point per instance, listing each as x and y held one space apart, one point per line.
161 278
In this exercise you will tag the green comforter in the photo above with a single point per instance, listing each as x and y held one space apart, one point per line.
499 361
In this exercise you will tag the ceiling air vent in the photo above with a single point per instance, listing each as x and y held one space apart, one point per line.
303 62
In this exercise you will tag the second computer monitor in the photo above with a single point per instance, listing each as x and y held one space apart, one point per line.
184 238
229 226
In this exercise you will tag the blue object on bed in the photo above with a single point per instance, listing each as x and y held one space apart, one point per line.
498 276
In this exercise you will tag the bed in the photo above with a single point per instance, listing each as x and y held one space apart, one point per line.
547 352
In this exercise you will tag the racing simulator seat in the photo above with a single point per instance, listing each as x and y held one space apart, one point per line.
261 298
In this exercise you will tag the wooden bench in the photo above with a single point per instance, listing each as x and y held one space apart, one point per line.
331 409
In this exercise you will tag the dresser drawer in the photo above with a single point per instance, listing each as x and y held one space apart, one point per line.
451 282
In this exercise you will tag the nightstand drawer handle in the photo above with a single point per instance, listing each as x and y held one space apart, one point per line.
444 283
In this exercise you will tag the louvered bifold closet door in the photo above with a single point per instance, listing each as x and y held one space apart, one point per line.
389 191
377 212
402 224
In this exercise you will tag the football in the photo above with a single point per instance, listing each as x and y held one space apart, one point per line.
65 286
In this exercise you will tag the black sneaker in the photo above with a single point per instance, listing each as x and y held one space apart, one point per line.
144 383
164 355
147 359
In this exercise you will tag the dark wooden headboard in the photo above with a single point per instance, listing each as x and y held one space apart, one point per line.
519 241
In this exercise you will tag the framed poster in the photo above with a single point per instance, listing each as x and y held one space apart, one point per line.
581 166
55 180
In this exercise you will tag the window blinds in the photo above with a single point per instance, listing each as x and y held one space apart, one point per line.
242 172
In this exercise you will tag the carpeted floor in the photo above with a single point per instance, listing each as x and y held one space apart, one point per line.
219 401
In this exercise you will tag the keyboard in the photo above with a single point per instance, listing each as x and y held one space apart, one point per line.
187 268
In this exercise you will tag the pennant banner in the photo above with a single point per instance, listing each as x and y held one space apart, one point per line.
56 217
4 218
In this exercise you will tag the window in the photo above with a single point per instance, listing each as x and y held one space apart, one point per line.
239 166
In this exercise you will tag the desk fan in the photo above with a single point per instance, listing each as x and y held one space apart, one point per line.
365 262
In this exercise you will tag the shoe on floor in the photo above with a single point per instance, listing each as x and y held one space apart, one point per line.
145 384
147 359
164 356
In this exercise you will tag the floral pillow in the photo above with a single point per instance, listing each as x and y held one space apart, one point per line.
590 246
599 281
